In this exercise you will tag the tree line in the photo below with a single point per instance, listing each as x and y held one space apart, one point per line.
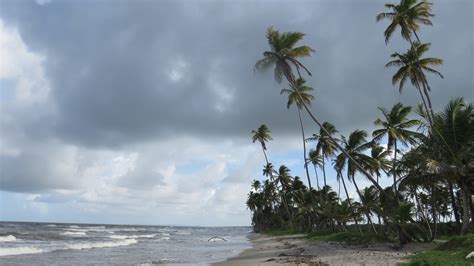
429 158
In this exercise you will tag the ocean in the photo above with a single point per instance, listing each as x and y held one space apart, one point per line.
93 244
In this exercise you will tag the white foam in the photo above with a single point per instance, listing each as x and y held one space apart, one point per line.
90 245
165 234
19 251
8 238
69 233
132 236
76 246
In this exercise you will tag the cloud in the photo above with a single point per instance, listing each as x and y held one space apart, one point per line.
146 106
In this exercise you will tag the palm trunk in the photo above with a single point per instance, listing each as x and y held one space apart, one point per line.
394 172
453 203
433 207
350 204
317 179
265 154
428 108
366 209
304 148
466 208
324 169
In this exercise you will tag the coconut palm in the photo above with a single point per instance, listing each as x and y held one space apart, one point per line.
262 135
396 126
407 15
297 95
381 162
317 161
356 146
339 163
326 145
283 56
453 149
413 67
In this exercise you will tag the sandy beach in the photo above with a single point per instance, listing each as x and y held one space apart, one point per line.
293 250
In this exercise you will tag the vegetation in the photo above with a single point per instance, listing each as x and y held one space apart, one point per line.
452 252
428 155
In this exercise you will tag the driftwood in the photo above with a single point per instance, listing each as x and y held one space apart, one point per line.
216 237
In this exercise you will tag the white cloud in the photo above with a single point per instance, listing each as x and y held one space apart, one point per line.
24 67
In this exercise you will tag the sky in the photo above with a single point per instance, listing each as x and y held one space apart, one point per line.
140 112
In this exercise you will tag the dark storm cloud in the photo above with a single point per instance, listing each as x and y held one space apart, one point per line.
112 64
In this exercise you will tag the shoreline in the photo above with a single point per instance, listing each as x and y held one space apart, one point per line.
292 249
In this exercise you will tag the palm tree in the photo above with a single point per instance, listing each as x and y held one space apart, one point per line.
262 135
380 164
285 179
284 55
306 97
317 161
407 15
453 149
326 146
396 126
412 66
355 146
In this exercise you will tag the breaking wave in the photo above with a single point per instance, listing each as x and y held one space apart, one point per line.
132 236
76 246
8 238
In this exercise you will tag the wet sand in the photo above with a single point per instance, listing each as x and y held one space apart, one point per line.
293 250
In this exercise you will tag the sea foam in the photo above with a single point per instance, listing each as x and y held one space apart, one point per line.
76 246
8 238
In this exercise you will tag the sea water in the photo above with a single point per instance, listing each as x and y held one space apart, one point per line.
79 244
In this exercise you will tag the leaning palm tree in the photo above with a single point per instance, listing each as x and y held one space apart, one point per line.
356 146
396 126
413 67
283 55
407 15
262 135
306 97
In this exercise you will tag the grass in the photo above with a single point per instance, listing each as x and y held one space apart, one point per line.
451 252
348 237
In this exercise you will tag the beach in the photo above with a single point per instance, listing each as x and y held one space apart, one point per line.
292 250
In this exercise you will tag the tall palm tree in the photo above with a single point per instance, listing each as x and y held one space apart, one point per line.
317 161
356 146
380 164
283 55
326 146
306 97
413 67
453 149
339 163
262 135
396 126
284 178
407 15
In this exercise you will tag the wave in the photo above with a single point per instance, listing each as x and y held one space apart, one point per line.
76 246
8 238
19 251
132 236
69 233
